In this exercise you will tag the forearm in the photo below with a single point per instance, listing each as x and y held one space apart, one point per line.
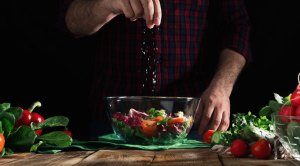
85 17
230 66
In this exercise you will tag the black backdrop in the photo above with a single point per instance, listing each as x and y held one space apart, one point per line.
38 63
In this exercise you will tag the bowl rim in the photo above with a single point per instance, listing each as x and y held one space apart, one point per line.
152 97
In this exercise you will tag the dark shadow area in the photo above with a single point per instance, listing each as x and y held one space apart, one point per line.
275 45
38 62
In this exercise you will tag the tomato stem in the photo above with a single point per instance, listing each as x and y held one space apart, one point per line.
35 104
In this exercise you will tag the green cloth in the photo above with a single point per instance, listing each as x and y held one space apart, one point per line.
111 141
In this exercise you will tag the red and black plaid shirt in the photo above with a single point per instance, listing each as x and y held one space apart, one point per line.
170 60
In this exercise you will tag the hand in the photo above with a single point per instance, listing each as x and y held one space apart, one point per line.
213 111
150 10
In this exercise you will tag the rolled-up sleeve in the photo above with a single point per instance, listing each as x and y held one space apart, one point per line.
235 26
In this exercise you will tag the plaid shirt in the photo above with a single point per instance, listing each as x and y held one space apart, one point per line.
169 60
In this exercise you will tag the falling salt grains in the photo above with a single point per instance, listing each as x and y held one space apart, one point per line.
149 52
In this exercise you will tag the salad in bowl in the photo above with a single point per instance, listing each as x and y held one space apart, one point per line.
152 120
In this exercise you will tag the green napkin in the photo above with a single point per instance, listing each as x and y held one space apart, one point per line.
111 141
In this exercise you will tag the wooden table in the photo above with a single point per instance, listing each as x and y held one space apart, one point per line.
185 157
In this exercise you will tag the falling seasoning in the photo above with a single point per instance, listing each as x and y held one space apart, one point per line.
149 56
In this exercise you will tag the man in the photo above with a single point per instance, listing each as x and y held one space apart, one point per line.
153 47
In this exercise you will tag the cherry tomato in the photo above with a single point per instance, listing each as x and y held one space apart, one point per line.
36 117
38 132
2 142
68 132
261 149
207 136
239 148
286 110
297 114
25 118
295 98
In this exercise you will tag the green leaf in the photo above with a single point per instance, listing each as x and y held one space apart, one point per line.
2 153
1 129
265 111
4 106
7 126
275 106
57 138
36 146
8 151
15 111
21 139
8 121
287 100
55 121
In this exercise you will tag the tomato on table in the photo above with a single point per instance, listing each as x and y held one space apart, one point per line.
239 148
261 149
207 136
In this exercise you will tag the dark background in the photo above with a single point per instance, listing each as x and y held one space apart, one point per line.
37 62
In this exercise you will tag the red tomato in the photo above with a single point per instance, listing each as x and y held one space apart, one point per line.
295 97
207 136
24 119
2 142
261 149
36 117
38 132
297 114
68 132
239 148
149 128
286 110
175 120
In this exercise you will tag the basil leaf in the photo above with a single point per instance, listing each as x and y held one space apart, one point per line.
266 111
21 139
57 138
4 106
275 106
15 111
36 146
8 121
2 153
55 121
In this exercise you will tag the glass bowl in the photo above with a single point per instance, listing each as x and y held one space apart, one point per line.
149 120
287 128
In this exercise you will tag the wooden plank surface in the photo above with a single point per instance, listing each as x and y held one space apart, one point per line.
232 161
61 159
185 157
175 157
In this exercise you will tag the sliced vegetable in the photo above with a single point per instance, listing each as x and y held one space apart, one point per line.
207 136
149 128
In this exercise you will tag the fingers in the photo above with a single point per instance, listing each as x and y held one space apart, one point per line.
148 12
206 116
224 122
127 9
137 9
157 13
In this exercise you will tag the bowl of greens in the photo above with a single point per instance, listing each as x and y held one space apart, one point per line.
287 128
151 120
